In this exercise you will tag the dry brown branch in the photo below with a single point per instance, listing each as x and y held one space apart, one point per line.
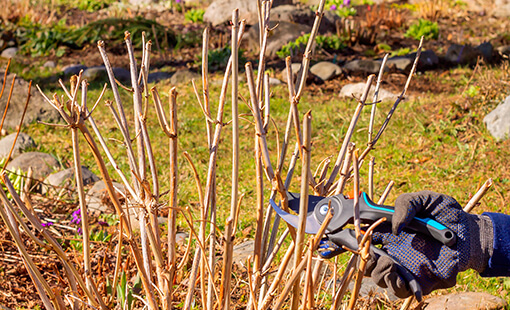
473 202
386 193
8 98
371 165
303 202
374 99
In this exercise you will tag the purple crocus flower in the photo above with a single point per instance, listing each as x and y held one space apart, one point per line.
76 217
47 224
332 7
347 2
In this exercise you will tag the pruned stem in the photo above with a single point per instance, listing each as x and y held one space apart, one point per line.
473 202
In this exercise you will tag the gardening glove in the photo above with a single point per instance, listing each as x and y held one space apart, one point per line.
433 264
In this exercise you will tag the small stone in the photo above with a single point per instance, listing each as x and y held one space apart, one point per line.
155 77
465 301
357 89
50 64
99 73
42 164
498 121
181 237
487 51
66 178
122 74
242 251
428 60
402 63
326 70
363 66
73 69
95 73
274 81
23 142
462 54
97 195
295 67
504 50
9 52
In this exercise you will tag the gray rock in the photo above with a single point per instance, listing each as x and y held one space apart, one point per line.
98 195
487 51
357 89
99 73
465 301
181 237
50 64
66 178
278 37
242 251
428 59
304 16
158 76
274 81
122 74
23 142
142 2
363 66
295 70
220 11
502 8
184 76
504 50
38 108
402 63
95 73
498 121
73 69
326 70
42 164
98 202
9 52
462 54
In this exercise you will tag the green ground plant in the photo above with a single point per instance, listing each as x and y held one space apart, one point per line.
423 27
43 40
194 15
328 43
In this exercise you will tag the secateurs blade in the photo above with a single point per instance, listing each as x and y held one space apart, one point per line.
342 209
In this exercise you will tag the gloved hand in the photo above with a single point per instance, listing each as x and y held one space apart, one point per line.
433 264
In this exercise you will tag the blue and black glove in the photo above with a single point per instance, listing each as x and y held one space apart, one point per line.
433 264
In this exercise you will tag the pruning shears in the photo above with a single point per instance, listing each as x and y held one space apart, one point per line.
342 209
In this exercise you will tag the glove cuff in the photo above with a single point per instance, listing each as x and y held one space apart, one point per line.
499 263
480 243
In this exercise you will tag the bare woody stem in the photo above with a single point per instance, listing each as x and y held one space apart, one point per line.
303 202
473 202
349 133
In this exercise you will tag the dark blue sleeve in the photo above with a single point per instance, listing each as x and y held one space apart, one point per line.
499 263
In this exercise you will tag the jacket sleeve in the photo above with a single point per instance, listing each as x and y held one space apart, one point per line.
499 262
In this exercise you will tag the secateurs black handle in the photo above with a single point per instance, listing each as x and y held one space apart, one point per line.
347 238
371 212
